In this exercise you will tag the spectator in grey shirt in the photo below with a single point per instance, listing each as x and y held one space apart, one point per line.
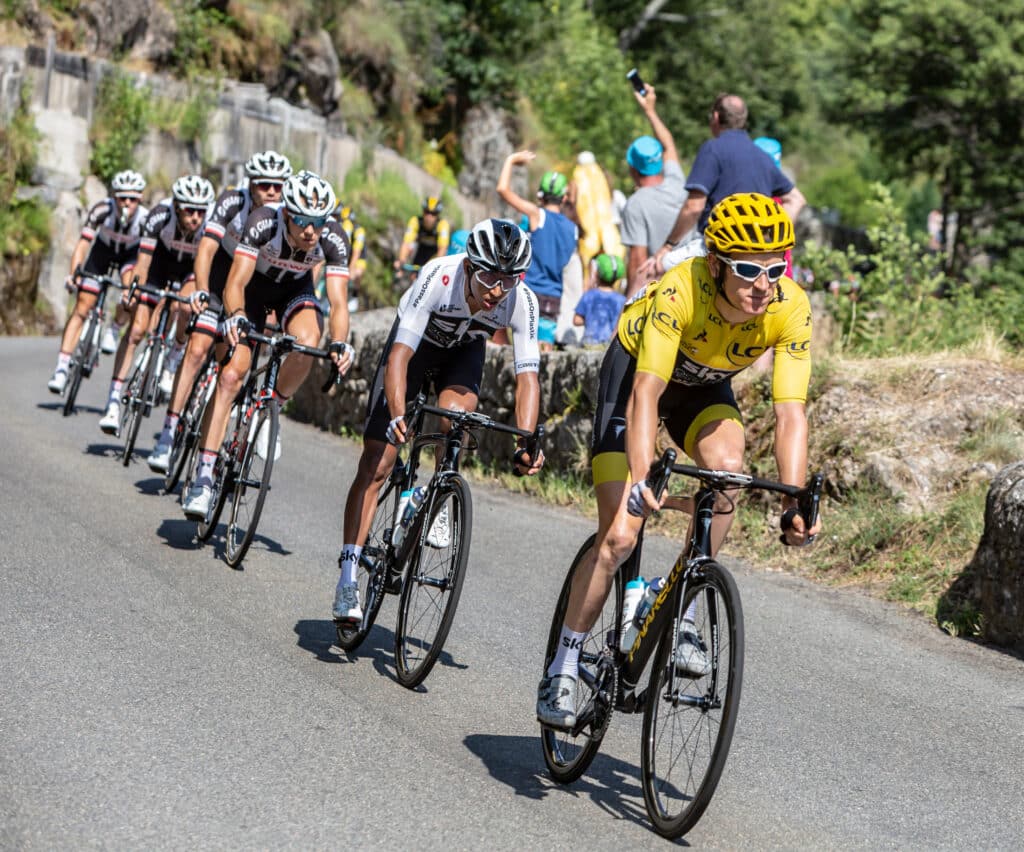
652 210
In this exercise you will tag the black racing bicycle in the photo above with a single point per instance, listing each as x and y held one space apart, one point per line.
688 719
251 445
426 563
87 351
142 389
185 441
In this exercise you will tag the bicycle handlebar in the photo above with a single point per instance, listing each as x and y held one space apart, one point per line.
105 280
285 343
162 292
475 419
808 496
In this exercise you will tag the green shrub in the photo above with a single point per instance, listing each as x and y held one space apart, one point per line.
120 120
24 223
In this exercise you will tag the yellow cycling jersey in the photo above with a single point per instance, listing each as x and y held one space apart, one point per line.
675 332
438 240
356 234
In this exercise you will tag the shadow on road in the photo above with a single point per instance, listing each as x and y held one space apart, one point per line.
151 486
178 533
103 450
319 637
612 784
79 408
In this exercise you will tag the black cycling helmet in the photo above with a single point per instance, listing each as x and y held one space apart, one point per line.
496 245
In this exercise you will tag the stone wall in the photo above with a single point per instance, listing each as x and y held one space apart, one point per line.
245 119
568 383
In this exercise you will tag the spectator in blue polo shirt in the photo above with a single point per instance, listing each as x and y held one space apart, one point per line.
727 163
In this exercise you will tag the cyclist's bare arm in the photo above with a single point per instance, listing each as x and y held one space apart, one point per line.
337 294
508 195
80 253
204 261
791 458
395 378
242 269
141 271
642 417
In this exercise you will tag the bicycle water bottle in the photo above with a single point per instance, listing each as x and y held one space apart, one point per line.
635 590
408 503
650 596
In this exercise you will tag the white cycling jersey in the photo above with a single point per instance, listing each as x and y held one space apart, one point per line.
435 309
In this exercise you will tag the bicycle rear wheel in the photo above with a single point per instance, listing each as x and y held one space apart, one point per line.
689 722
569 753
252 482
374 564
134 401
190 424
433 582
77 367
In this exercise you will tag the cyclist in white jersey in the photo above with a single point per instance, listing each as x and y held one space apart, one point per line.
444 322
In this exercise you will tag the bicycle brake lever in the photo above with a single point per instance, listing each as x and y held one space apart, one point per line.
532 445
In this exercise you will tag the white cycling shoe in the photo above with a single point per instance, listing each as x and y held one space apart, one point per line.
262 441
346 603
59 381
196 504
110 422
691 652
556 702
160 458
440 535
109 341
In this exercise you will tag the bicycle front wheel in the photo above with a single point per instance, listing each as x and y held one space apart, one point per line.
569 753
77 367
134 401
186 434
374 565
688 720
433 582
252 482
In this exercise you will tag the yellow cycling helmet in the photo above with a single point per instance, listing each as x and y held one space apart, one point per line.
432 204
748 221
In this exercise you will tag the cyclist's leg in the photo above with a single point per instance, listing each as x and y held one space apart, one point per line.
302 319
140 320
84 303
196 349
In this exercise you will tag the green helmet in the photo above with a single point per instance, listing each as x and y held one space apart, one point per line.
609 268
554 184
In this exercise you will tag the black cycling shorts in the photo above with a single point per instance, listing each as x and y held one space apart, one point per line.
684 409
431 369
263 295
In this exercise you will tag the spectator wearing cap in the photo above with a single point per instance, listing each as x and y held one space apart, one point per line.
599 308
553 235
652 209
727 163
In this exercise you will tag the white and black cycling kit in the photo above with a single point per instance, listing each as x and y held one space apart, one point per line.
448 339
283 279
173 251
224 225
115 243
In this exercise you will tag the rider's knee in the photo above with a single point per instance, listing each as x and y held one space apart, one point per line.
618 543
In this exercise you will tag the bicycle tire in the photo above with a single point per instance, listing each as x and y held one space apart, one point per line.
134 401
186 433
252 482
432 586
693 718
568 754
76 368
374 565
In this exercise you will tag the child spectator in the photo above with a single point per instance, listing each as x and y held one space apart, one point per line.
599 308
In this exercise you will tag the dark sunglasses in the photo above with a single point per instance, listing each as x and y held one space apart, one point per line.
193 211
306 221
490 280
750 271
266 186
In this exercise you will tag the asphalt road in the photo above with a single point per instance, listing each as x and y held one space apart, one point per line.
151 697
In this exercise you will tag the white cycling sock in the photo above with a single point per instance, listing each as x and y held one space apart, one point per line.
115 391
204 470
63 361
691 612
170 424
349 561
567 657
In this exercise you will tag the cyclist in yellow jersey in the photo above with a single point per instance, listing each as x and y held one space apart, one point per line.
426 235
679 343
